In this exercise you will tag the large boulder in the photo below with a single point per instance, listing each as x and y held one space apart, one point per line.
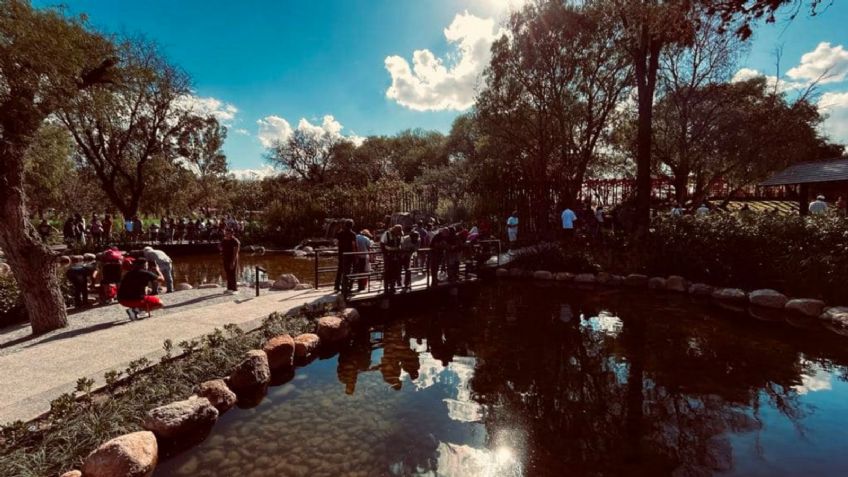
332 329
676 283
306 344
218 394
285 282
730 294
72 473
805 306
656 283
351 315
252 372
183 287
585 279
636 280
837 315
543 275
280 351
130 455
501 273
302 286
564 277
266 284
700 289
767 298
190 417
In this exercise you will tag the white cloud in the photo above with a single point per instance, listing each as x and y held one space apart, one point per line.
429 84
242 131
830 63
253 174
783 86
835 105
275 128
224 112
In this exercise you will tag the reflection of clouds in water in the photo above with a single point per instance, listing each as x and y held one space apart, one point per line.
816 379
457 375
605 323
461 460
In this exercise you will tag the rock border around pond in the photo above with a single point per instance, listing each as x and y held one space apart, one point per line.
190 420
758 302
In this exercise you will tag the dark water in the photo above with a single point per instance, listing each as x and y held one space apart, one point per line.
526 380
207 268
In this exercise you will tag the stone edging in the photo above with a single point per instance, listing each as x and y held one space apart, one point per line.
137 453
834 318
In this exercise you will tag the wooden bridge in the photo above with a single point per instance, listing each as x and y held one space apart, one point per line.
377 275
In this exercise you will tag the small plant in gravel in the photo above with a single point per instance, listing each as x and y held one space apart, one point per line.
79 422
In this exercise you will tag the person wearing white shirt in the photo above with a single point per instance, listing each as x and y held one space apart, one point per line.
568 218
818 206
512 227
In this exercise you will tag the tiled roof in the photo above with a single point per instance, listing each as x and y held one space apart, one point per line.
808 172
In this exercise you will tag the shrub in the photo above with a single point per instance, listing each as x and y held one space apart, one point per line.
11 306
801 256
553 258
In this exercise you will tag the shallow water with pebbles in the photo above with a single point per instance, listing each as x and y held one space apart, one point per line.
539 380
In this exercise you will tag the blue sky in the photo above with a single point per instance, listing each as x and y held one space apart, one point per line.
263 66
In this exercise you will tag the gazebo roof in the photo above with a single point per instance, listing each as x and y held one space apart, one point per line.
810 172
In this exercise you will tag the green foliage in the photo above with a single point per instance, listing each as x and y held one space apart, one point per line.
800 256
76 425
11 305
553 258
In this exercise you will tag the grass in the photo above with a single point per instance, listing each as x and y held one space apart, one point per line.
78 423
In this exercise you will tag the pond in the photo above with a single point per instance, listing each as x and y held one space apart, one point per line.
523 379
207 268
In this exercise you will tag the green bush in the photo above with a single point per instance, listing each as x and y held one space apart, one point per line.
11 306
800 256
553 258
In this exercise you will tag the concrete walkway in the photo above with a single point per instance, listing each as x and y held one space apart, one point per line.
33 374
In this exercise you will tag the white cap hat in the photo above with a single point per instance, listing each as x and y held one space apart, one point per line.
819 197
148 249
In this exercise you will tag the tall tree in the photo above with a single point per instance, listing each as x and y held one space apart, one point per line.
551 90
306 154
49 167
46 60
120 130
200 145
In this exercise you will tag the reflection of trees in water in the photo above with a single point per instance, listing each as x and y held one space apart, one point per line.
658 396
208 268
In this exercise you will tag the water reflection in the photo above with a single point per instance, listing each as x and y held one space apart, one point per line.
207 268
529 381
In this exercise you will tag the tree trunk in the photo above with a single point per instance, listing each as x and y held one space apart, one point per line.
32 262
646 63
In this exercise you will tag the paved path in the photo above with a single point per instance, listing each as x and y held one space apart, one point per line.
34 373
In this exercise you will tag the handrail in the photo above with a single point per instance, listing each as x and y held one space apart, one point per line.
256 276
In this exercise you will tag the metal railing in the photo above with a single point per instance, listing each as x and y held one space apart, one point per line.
409 268
256 271
319 270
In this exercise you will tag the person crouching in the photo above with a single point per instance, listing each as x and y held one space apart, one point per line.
133 290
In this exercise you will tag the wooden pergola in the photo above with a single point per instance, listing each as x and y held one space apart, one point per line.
828 178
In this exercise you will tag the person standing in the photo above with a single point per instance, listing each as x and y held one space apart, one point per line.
409 245
677 210
390 245
69 231
346 240
568 218
96 230
45 230
229 248
107 228
362 264
702 210
818 206
79 229
164 264
512 228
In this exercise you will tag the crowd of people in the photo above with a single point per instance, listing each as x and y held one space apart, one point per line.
135 278
107 229
427 249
